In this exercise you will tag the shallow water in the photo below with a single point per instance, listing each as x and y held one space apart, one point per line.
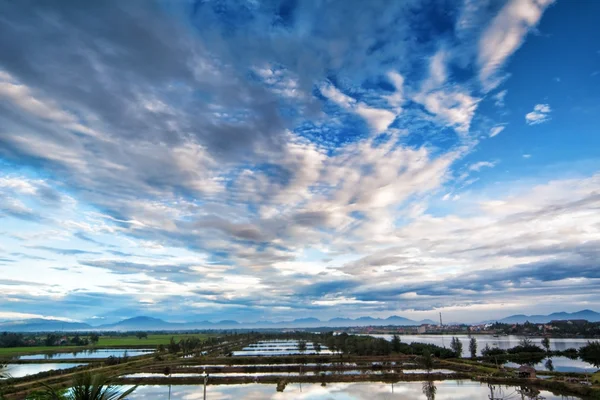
284 373
560 364
278 348
92 353
446 390
502 342
21 370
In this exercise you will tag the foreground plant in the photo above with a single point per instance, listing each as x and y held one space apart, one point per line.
86 387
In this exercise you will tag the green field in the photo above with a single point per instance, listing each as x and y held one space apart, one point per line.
105 341
152 340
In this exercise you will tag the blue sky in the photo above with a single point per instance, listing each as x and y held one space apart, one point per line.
271 160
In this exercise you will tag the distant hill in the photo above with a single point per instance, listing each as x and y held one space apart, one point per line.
144 323
588 315
41 325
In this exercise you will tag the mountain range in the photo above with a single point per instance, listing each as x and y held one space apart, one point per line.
143 323
588 315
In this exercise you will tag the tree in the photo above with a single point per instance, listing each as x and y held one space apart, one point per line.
427 361
546 343
50 339
173 346
396 344
141 335
526 342
87 387
456 346
302 346
591 353
317 347
549 365
94 338
3 373
473 347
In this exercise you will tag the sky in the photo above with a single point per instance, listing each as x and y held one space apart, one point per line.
280 159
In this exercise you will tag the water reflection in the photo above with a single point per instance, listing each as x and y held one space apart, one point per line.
429 390
90 353
446 390
280 348
559 364
21 370
502 342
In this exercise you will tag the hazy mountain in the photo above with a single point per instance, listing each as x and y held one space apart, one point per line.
143 323
140 323
40 325
588 315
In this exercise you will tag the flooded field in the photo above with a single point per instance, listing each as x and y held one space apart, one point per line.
92 353
446 390
502 342
284 374
279 348
21 370
559 364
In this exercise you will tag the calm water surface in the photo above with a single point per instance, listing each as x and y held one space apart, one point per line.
560 364
92 353
503 342
446 390
21 370
278 348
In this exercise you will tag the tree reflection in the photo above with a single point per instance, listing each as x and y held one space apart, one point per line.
429 390
529 393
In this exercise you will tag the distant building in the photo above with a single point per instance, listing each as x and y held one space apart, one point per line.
422 329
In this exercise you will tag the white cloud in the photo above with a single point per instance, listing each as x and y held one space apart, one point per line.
540 114
496 130
505 35
526 155
9 316
452 105
378 119
482 164
397 98
499 98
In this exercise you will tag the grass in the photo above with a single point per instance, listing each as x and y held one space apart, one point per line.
152 340
105 341
596 378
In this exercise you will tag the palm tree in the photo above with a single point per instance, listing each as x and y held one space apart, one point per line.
3 373
88 387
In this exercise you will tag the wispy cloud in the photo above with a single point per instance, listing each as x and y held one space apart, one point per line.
505 35
540 114
496 130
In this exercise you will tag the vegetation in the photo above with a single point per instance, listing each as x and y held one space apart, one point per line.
302 346
3 373
427 361
556 329
526 345
86 386
396 344
473 347
317 347
591 353
546 343
456 346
